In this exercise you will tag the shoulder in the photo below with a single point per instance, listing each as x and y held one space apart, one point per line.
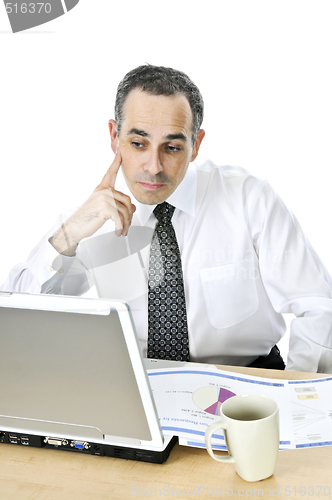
229 178
227 172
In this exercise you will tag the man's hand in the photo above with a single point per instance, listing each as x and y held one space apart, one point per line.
105 203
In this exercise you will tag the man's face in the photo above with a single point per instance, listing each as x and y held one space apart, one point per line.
155 143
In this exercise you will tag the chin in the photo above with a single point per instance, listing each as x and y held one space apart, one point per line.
152 198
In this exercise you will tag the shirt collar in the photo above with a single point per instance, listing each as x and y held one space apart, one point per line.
183 198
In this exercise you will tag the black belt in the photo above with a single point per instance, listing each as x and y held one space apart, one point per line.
272 361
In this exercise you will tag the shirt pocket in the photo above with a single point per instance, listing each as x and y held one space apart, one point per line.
230 292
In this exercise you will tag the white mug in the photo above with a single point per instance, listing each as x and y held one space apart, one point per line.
251 428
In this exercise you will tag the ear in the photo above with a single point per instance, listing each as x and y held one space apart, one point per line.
114 135
197 143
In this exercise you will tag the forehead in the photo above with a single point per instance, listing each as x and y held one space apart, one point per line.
144 110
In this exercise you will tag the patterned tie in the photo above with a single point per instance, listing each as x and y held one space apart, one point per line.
168 329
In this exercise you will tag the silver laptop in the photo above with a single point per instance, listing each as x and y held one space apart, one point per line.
72 377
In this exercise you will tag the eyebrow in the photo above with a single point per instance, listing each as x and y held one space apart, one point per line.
172 137
136 131
169 137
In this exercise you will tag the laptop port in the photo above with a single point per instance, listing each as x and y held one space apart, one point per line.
55 441
80 445
13 438
25 440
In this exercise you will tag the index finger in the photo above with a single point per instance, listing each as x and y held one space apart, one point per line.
110 176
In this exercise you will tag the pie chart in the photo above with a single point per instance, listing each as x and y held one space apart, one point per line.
211 398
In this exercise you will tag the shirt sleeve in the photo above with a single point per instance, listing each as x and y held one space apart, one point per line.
295 279
47 271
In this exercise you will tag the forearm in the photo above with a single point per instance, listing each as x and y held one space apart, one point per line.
42 264
48 271
64 241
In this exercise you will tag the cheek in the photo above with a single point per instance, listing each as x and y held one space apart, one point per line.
181 174
177 167
129 162
175 162
127 168
125 150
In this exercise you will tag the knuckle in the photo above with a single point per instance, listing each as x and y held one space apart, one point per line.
98 195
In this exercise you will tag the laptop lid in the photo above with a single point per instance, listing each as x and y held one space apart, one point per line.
72 367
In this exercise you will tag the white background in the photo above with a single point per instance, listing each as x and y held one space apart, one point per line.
263 67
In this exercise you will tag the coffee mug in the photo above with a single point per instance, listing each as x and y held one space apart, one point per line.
251 428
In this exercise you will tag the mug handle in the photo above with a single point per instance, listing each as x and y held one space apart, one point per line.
208 434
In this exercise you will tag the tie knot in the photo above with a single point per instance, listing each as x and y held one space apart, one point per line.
164 211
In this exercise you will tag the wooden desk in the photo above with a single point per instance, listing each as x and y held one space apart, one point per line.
32 473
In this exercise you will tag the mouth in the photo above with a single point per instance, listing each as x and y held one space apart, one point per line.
151 186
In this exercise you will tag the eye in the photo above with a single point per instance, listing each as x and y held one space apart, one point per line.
137 145
173 149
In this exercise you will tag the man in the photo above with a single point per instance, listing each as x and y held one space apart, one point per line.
223 265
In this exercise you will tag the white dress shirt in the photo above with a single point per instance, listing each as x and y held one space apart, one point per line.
245 262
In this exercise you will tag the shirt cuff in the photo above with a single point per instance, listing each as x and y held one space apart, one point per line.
47 262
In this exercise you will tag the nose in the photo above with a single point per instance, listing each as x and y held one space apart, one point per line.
153 163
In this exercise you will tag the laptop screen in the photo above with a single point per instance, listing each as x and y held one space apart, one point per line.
72 367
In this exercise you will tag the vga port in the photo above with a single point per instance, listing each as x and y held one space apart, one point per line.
80 445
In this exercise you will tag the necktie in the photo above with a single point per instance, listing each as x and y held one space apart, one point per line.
167 318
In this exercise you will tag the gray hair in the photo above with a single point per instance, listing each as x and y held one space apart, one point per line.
158 80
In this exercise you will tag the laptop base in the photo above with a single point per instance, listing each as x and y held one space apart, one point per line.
107 450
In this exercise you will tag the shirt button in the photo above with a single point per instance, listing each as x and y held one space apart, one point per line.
50 268
61 271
